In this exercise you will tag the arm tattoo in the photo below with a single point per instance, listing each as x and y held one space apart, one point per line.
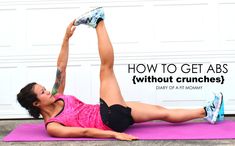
58 82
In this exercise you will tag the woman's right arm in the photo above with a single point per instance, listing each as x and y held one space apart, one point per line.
62 61
58 130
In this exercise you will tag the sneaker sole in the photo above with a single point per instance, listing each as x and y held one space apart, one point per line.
217 110
221 113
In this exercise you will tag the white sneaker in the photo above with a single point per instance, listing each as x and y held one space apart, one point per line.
91 18
213 108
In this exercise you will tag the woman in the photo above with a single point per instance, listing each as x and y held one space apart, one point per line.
66 116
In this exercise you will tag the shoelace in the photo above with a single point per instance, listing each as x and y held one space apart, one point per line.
211 105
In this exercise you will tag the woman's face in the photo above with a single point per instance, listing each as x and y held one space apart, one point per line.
45 97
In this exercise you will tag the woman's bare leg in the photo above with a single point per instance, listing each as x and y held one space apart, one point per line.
109 89
145 112
111 94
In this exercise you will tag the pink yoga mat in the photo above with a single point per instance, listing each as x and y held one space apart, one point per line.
145 131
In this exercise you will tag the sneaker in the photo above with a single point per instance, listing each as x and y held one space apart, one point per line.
91 18
220 117
213 108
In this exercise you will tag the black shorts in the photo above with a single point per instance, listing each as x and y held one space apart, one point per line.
116 117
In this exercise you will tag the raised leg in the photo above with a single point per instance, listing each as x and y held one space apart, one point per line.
109 89
145 112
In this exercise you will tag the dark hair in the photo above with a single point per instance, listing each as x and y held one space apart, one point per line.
26 97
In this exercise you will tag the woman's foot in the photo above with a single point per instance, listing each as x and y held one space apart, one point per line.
91 18
213 109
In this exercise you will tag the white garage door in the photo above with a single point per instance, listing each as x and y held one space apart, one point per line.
172 53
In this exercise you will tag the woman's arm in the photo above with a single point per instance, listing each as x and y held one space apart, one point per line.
62 61
58 130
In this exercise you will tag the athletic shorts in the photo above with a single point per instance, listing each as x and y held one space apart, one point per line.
116 117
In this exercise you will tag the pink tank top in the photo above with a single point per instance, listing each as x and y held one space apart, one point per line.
78 114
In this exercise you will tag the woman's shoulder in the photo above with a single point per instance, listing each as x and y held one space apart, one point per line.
68 98
59 96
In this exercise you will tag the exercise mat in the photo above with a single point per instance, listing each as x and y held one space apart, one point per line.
144 131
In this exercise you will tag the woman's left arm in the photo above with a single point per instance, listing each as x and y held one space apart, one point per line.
62 61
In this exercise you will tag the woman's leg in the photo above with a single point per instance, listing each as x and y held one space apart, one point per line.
111 94
145 112
109 89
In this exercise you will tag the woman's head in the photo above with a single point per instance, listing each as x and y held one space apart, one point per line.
27 97
34 98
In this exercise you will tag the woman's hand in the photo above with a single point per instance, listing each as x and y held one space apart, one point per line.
124 136
70 29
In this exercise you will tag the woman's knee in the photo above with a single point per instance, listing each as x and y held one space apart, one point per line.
106 66
106 69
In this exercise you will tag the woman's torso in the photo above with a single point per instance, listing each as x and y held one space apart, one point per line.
75 113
